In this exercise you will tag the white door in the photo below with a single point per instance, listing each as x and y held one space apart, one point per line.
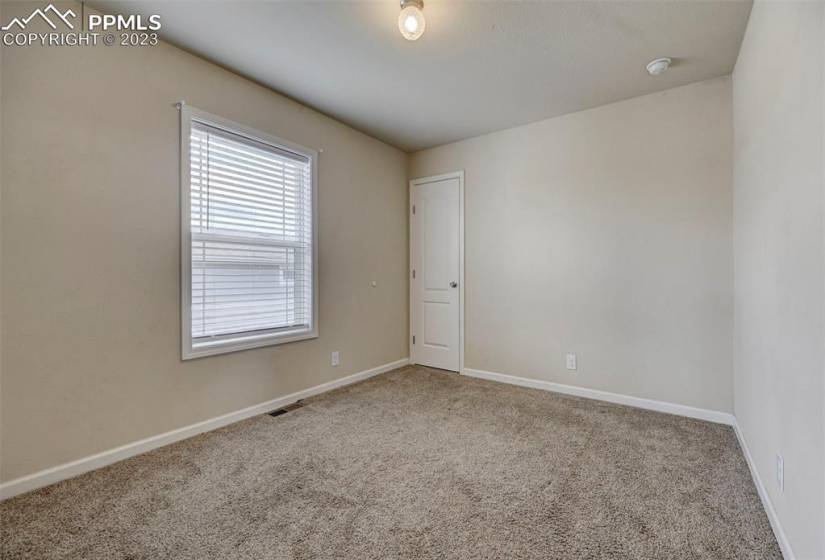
435 286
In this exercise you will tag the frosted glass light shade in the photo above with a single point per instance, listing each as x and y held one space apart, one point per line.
411 22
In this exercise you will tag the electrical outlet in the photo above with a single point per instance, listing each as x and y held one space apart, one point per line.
336 359
571 362
780 472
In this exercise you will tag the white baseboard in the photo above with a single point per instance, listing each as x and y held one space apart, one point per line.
781 538
660 406
80 466
74 468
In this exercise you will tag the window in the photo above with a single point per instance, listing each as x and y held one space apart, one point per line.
249 240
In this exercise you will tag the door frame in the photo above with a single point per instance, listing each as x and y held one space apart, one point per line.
422 181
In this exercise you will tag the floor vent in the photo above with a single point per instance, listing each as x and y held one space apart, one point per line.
288 408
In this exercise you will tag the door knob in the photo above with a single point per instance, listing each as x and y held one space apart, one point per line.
454 284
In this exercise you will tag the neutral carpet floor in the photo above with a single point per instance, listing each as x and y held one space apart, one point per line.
414 464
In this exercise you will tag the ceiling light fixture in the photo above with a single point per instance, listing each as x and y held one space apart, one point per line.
658 66
411 19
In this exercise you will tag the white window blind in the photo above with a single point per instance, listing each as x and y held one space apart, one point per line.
251 231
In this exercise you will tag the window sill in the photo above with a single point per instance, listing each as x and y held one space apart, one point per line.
227 345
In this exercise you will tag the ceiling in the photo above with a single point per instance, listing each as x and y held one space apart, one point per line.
480 66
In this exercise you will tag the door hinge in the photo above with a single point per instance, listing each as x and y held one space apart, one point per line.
413 339
413 209
413 273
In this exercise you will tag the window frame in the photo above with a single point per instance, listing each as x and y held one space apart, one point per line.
236 341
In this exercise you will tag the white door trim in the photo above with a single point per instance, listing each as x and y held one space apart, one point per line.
421 181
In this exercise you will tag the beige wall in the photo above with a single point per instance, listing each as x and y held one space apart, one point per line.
1 245
779 258
90 231
606 233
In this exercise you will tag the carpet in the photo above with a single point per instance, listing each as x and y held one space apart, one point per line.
414 464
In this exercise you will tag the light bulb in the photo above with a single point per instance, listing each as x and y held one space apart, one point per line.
411 20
